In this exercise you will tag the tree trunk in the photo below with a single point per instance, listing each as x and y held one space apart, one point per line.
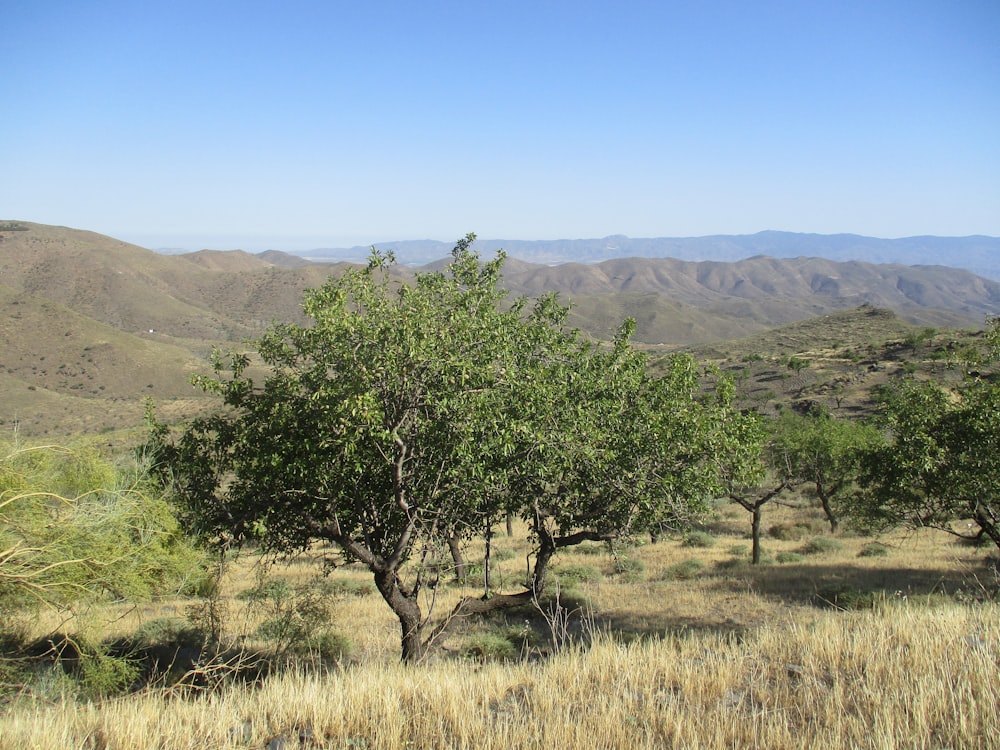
824 499
407 610
457 558
510 523
755 533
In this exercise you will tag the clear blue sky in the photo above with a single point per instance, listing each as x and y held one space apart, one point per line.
295 125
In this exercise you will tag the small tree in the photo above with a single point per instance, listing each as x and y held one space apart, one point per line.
940 463
406 415
822 451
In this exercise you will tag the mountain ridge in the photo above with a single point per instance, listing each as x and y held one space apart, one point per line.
91 325
980 253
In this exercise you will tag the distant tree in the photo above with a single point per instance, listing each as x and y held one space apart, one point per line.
747 479
408 415
822 451
940 463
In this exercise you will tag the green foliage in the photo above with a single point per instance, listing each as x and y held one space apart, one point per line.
571 576
823 451
847 597
821 545
630 569
683 571
104 675
344 587
790 532
75 526
700 539
297 620
406 413
874 549
788 557
490 646
940 464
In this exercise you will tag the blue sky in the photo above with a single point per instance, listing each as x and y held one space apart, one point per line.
296 125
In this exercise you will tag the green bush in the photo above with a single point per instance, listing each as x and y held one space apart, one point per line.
571 576
844 596
630 569
270 589
788 557
685 570
490 646
168 631
86 529
700 539
344 587
328 645
789 532
103 675
874 549
821 545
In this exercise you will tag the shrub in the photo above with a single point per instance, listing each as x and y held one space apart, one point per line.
700 539
821 545
630 569
573 575
168 631
103 675
684 571
844 596
490 646
788 557
592 548
874 549
789 532
328 645
344 587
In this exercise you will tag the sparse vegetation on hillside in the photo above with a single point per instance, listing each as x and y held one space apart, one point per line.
463 469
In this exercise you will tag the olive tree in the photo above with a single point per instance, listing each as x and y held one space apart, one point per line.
409 414
940 463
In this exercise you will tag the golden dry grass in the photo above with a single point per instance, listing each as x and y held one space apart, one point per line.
907 676
734 656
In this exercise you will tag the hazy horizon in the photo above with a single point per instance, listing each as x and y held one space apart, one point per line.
232 125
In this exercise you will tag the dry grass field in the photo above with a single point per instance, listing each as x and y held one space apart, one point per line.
679 644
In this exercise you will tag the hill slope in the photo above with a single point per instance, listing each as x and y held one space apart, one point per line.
92 324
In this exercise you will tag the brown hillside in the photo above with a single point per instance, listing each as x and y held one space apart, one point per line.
91 323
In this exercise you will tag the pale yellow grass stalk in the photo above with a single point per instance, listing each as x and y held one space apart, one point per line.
903 676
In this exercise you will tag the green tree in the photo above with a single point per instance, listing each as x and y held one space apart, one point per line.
822 451
940 464
406 415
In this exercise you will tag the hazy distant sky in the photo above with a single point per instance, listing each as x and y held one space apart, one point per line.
295 125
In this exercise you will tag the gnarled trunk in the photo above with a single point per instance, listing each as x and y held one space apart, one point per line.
404 605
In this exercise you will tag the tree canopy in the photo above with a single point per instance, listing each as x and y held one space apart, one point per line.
408 413
941 463
822 451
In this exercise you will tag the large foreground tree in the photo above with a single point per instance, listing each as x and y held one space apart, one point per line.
941 464
405 416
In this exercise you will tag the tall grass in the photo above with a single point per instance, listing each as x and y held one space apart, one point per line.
900 676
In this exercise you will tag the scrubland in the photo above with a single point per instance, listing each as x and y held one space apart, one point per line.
680 644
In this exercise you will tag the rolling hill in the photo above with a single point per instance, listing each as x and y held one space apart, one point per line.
91 324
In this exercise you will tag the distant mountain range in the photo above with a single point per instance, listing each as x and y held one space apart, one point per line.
978 254
90 324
